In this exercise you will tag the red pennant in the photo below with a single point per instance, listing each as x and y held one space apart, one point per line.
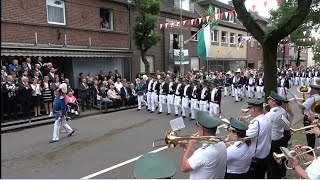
231 13
253 7
175 24
181 23
221 15
307 39
279 2
195 21
265 3
169 24
189 21
313 39
203 19
212 17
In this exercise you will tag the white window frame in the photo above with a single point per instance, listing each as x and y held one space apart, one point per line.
51 3
193 65
233 36
215 34
226 37
142 68
217 9
111 20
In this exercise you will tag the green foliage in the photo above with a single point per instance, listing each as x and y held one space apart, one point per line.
210 12
143 31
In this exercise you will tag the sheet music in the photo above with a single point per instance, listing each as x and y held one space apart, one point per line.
177 124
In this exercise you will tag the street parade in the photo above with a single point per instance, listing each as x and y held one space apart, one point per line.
160 89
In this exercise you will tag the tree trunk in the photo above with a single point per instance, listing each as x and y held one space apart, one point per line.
298 57
145 61
270 67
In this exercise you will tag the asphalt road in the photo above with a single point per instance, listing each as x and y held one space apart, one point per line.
100 142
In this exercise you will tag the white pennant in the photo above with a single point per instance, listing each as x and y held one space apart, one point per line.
199 20
172 24
166 25
178 24
191 21
160 26
226 14
207 18
304 40
184 22
304 33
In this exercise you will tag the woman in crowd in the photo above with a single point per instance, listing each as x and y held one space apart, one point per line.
47 95
36 96
55 84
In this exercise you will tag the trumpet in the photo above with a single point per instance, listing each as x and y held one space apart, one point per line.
304 128
295 153
172 139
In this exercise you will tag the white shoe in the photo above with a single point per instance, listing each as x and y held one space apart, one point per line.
51 113
76 113
72 111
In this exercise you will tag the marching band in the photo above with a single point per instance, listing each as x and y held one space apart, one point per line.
200 98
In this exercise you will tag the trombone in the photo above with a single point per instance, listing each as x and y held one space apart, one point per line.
294 153
172 139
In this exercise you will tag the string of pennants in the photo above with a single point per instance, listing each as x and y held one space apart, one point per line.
309 39
198 20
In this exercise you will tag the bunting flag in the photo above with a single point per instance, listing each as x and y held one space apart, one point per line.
279 2
309 39
226 14
265 3
253 7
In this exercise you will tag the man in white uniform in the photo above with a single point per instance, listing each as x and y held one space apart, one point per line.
209 161
149 92
314 96
177 97
275 171
260 132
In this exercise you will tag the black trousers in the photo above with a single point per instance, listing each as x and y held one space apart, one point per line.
237 176
259 168
274 169
311 138
26 106
12 107
287 137
73 106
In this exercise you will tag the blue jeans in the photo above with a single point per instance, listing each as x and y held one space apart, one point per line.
105 104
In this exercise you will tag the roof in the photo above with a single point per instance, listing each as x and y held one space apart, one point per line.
216 3
17 49
256 16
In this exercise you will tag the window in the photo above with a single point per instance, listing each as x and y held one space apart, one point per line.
251 43
106 16
194 31
232 38
56 12
215 36
174 41
151 63
194 63
224 37
217 10
186 5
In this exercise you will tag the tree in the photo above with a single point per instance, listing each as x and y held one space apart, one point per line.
270 38
143 31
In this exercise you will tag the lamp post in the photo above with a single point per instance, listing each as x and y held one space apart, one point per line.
181 41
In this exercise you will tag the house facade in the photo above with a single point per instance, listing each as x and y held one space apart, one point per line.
76 35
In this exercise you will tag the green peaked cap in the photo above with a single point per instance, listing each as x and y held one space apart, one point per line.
276 97
207 121
255 102
238 125
154 166
314 86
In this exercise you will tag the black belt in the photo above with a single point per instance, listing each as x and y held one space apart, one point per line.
251 85
163 94
150 91
177 95
203 100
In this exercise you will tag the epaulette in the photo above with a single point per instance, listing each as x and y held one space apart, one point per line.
204 147
239 145
275 110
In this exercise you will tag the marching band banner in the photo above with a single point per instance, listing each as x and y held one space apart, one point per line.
184 54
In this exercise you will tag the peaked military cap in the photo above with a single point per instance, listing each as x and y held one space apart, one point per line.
154 166
195 81
207 121
238 125
276 97
180 79
315 86
255 102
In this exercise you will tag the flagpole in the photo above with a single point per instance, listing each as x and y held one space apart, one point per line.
181 68
186 41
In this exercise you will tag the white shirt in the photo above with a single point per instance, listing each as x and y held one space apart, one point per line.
239 158
313 169
264 139
36 89
118 86
170 86
177 90
260 81
154 86
209 163
203 92
213 93
194 89
274 116
185 90
149 85
307 104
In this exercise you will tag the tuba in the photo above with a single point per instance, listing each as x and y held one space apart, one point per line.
315 108
304 90
297 153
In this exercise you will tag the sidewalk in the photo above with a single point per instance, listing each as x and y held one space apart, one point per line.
36 121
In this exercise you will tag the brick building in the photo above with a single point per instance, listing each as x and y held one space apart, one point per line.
160 56
76 35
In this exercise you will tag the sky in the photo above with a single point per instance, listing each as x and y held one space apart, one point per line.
264 10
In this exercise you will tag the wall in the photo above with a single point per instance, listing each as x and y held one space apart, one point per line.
20 19
310 61
94 65
218 51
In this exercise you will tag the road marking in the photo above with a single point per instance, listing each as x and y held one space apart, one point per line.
120 164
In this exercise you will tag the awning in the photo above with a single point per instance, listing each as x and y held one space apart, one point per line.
62 52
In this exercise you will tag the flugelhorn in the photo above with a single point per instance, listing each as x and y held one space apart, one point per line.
304 90
172 139
297 153
304 128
